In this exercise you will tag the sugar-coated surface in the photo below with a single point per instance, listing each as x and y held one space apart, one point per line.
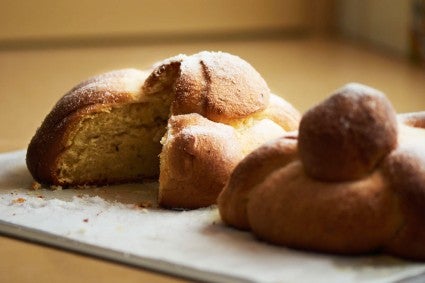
124 218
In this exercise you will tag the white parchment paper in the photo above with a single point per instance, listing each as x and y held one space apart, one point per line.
124 220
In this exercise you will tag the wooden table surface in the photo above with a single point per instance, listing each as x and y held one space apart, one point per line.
303 70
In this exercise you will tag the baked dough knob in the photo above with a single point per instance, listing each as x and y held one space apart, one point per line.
348 134
289 208
405 168
220 87
250 172
197 158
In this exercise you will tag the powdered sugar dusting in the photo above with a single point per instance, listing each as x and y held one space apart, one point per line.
218 130
215 61
356 90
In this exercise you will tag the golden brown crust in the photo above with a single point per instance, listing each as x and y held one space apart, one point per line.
220 87
267 158
196 160
375 204
345 137
405 169
339 217
93 95
217 85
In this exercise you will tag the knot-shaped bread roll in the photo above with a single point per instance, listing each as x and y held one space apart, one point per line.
201 114
353 182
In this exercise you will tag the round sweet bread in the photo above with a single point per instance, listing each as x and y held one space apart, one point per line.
342 191
198 112
76 144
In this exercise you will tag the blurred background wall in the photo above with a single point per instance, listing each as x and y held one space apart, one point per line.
385 24
31 24
49 23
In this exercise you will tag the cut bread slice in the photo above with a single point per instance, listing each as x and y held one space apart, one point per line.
109 129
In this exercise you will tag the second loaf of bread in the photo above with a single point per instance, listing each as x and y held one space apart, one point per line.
351 182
